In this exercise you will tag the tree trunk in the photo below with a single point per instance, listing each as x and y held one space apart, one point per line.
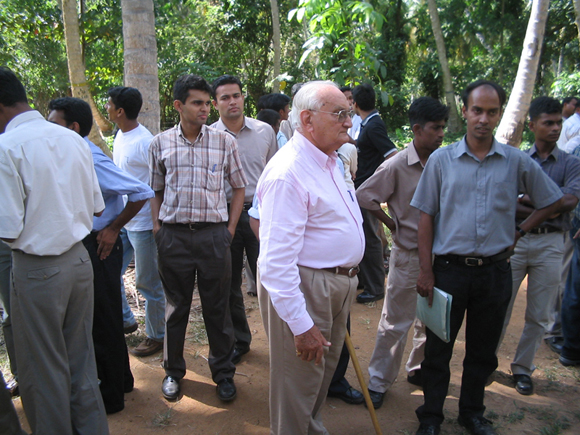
76 72
140 55
577 14
454 125
276 42
512 123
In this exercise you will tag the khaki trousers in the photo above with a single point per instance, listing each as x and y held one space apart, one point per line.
399 314
298 388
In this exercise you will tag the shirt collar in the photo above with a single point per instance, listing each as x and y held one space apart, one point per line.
29 115
199 136
462 148
412 156
322 159
221 125
371 115
533 151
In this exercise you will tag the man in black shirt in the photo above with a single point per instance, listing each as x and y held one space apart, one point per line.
374 147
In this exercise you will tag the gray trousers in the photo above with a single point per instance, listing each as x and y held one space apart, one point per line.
52 319
5 268
298 388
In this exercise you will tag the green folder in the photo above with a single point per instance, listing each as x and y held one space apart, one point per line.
436 317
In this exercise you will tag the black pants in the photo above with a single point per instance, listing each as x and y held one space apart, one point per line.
372 270
111 354
484 292
243 239
183 254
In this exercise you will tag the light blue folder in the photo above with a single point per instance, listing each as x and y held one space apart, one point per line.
436 317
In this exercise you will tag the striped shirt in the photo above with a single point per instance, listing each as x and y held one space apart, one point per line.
193 175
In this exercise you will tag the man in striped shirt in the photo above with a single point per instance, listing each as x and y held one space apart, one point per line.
189 165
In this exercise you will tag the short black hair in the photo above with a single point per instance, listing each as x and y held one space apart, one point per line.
472 86
364 96
275 102
568 99
547 105
128 99
295 88
225 80
74 110
268 116
189 81
427 109
344 89
11 89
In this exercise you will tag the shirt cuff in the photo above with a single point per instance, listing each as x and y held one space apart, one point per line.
301 325
388 153
134 197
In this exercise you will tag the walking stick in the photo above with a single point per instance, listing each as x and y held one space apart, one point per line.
362 383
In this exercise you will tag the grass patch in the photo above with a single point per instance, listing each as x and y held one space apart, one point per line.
163 419
556 428
197 332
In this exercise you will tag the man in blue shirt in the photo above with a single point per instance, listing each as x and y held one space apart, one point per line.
467 196
106 251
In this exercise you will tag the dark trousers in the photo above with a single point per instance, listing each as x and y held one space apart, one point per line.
111 354
571 302
183 254
484 292
372 271
244 238
339 384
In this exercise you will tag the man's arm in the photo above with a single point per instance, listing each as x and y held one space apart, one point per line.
537 217
156 202
426 280
236 206
384 218
108 236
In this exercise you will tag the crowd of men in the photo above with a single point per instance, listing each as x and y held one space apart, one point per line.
299 194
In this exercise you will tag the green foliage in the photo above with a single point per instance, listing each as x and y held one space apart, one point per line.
566 85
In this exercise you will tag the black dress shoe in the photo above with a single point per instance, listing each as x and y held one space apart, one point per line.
567 362
170 388
350 396
226 390
428 429
416 379
555 344
365 297
477 425
377 399
238 353
524 384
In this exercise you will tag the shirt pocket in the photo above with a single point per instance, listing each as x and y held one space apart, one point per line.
212 177
503 198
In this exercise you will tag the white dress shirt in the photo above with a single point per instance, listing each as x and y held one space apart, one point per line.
308 218
570 129
131 154
48 187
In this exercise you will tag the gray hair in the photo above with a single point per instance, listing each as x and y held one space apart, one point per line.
307 98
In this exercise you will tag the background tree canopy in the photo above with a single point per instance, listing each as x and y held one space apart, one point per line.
387 42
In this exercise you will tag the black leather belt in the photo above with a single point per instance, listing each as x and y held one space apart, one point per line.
475 261
348 271
247 206
193 226
543 230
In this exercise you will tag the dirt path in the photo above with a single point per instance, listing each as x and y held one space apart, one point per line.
553 409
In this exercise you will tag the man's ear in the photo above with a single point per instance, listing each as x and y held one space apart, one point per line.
177 105
75 127
464 111
306 120
417 129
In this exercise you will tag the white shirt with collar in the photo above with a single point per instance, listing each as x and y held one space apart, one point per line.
48 187
570 129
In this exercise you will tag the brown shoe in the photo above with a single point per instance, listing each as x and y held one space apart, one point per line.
147 347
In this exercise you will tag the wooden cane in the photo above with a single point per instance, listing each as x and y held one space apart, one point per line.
362 383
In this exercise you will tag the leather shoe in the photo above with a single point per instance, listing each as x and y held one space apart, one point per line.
555 344
567 362
226 390
147 347
238 353
377 399
428 429
477 425
365 297
170 388
416 379
12 387
524 384
131 328
350 396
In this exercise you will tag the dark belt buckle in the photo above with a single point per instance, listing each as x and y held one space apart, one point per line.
192 226
352 271
472 261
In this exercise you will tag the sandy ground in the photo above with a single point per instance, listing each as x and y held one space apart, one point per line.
553 409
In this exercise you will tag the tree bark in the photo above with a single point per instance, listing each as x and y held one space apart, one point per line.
140 55
577 15
276 42
454 125
76 72
512 123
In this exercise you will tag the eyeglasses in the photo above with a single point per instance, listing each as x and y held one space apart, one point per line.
341 116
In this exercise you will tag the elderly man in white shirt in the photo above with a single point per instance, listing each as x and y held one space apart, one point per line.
307 279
